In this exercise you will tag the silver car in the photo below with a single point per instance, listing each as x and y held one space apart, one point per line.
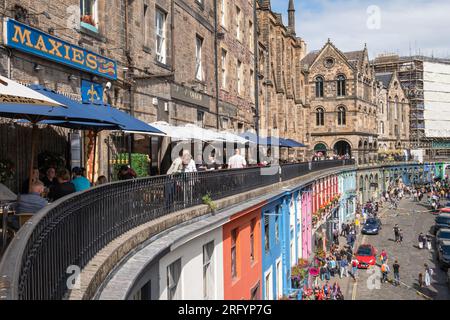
442 234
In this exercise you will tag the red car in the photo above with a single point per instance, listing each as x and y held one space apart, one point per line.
442 210
366 256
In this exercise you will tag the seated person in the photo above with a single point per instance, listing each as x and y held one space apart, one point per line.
79 181
63 188
29 203
32 202
50 177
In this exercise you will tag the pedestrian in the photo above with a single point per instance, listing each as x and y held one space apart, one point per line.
177 164
396 232
343 227
421 240
420 280
336 236
396 268
188 164
383 256
343 269
428 274
354 265
384 272
237 161
400 236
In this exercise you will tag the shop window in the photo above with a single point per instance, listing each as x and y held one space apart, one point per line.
234 235
208 271
173 281
252 240
89 14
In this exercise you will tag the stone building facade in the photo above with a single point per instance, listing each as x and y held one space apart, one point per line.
341 100
103 32
393 113
236 64
281 90
165 52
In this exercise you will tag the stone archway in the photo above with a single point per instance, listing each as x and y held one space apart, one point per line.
342 148
321 147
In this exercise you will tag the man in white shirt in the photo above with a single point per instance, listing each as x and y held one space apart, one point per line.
237 161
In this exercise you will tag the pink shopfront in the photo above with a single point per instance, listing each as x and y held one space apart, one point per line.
306 196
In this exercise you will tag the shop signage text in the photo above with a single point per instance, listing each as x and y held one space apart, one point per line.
27 39
189 96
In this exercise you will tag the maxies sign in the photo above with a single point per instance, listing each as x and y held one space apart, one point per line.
25 38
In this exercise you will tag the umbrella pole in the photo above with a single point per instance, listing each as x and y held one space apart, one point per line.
34 131
93 158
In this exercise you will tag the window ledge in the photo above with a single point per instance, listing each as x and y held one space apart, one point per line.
146 49
163 65
200 5
92 34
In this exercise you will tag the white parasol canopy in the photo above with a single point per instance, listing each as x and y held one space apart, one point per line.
12 92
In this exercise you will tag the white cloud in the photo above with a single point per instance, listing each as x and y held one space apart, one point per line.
417 25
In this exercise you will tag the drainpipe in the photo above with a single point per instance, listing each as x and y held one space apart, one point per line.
256 51
216 64
130 85
172 36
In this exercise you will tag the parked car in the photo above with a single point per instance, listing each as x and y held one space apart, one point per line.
442 234
372 226
443 254
448 279
366 256
442 210
442 221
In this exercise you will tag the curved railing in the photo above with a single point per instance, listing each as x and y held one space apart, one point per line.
71 231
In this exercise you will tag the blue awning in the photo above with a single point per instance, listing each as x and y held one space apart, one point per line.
112 119
272 141
295 144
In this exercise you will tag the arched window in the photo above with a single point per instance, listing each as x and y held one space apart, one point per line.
342 121
388 109
381 107
381 127
320 117
319 87
396 108
341 86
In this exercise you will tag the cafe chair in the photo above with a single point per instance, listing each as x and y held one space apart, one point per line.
23 218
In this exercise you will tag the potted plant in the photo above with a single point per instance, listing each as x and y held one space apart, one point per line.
6 171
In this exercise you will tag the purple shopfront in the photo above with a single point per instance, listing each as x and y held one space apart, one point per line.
306 222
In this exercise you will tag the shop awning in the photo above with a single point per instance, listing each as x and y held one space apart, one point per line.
193 132
113 118
272 141
295 144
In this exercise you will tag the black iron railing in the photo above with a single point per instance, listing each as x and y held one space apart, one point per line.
71 231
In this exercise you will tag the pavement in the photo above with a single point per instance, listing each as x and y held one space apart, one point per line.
412 218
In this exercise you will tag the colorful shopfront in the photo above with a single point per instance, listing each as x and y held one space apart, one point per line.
37 57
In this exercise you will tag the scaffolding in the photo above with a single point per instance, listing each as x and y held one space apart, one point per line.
410 72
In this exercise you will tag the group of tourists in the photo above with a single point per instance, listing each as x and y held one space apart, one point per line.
327 292
185 164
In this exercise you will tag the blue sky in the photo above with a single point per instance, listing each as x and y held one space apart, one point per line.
395 26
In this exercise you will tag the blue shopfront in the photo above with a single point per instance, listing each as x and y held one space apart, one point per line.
69 69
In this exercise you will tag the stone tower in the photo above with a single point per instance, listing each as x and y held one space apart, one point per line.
291 12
